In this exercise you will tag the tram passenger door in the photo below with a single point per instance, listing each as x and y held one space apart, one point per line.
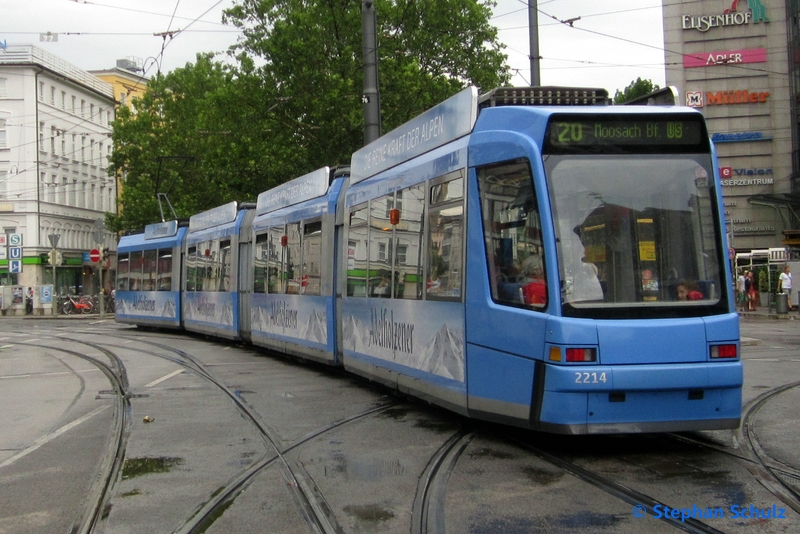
508 293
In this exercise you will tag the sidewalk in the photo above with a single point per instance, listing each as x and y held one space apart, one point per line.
764 313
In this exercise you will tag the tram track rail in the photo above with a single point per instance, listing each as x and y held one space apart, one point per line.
765 469
309 499
428 512
611 487
99 494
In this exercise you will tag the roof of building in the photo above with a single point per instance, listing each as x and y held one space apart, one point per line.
29 55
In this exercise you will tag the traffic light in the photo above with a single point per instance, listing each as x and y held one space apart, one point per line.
54 257
45 258
103 254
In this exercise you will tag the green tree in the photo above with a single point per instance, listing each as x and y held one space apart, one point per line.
635 89
312 58
201 134
210 133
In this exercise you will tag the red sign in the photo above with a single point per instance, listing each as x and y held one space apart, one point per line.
94 255
727 57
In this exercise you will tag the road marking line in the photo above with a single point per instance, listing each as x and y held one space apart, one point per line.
167 377
50 437
6 346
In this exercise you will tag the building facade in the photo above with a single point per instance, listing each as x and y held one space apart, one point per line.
55 139
730 59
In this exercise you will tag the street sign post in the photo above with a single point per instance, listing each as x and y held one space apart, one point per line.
55 259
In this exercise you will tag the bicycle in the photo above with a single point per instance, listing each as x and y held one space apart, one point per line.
77 304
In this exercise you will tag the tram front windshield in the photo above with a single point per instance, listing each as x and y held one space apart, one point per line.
637 233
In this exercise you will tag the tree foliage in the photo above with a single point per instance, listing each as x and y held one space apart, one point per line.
635 89
210 133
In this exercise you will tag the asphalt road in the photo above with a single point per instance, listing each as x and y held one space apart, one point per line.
107 428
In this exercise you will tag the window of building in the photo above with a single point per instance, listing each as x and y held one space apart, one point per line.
41 91
63 100
52 95
83 108
3 134
3 93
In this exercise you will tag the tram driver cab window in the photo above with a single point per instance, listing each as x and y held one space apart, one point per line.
513 235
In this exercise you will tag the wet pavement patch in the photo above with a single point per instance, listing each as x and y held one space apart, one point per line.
369 513
490 453
137 467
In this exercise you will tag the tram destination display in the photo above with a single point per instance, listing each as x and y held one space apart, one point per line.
571 132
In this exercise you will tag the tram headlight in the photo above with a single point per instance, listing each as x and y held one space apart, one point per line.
724 351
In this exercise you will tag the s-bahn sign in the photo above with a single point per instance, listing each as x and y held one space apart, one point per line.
739 13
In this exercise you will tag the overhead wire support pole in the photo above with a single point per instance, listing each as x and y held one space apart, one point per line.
533 28
371 96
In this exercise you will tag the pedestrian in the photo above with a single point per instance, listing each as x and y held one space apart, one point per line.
750 288
741 293
785 284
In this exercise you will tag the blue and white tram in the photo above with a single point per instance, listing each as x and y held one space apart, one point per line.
294 244
216 271
149 276
535 258
532 257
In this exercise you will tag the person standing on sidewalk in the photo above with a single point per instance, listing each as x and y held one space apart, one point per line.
750 288
741 293
785 284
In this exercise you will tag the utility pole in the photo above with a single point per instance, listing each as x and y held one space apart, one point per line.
371 97
533 28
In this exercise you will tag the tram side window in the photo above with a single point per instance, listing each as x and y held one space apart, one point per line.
191 269
165 269
312 258
149 271
260 264
408 234
357 252
277 248
513 235
224 266
293 259
135 273
209 263
381 246
445 255
123 268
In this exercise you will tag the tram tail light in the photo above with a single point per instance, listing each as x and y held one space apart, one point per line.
723 351
581 355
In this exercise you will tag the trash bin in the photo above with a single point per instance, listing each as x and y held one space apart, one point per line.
782 303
